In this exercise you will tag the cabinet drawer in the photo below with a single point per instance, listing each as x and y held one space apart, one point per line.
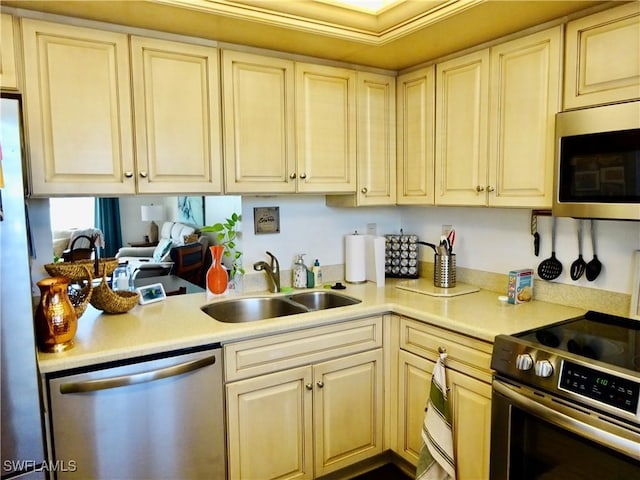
464 354
277 352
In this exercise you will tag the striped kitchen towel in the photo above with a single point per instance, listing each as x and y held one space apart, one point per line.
436 457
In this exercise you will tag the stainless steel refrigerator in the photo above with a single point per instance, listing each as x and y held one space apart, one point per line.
22 433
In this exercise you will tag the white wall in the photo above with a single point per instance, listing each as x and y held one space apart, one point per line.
498 240
308 226
488 239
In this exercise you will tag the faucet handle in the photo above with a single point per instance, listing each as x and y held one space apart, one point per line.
274 259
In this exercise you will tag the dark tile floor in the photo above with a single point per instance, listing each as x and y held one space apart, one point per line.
386 472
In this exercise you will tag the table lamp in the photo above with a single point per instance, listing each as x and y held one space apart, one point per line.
150 213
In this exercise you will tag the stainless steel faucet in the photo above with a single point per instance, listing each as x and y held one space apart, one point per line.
272 270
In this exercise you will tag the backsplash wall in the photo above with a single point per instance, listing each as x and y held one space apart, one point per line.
488 239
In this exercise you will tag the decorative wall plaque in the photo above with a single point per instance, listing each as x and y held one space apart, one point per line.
266 220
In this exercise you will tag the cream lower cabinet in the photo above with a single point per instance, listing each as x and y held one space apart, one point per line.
415 137
602 60
495 118
311 419
469 384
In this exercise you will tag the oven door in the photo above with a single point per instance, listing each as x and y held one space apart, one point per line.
537 436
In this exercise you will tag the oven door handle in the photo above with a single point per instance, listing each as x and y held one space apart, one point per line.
594 429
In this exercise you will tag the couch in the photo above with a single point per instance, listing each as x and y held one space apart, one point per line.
156 261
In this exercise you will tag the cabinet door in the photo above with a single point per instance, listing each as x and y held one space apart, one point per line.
348 410
78 110
177 117
269 422
524 98
602 59
259 129
376 139
416 134
470 402
8 69
325 129
461 123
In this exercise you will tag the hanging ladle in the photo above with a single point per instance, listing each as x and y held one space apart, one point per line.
594 266
579 265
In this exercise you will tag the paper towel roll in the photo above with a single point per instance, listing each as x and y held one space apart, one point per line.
355 259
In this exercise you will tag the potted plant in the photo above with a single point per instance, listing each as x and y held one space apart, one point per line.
226 235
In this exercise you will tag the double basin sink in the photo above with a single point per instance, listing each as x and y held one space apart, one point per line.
249 309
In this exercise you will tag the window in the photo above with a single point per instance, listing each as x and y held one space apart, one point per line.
67 213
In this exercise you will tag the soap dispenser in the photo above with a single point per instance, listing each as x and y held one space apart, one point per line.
299 272
317 274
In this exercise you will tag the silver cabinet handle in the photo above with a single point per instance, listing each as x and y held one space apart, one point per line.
142 377
128 174
479 188
292 176
143 174
364 190
303 176
490 189
320 384
308 386
598 431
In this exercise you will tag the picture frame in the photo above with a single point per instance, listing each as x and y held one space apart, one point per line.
191 210
266 220
151 293
634 310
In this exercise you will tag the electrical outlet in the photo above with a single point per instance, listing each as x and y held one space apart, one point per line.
372 229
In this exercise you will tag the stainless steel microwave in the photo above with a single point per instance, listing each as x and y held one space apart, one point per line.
597 163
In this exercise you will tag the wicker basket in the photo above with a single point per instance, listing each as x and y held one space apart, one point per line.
80 291
105 299
76 270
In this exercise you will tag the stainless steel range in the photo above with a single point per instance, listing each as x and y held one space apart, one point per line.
566 401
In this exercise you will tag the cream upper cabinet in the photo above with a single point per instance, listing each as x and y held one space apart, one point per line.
259 128
77 110
469 394
415 137
462 130
524 99
602 60
176 116
325 129
8 66
376 157
495 117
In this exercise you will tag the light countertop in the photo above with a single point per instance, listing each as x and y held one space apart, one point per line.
178 322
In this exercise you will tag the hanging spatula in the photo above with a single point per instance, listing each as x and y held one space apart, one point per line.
551 268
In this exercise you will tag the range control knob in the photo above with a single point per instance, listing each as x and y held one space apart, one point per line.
524 361
544 368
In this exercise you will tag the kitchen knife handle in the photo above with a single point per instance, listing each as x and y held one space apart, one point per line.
536 244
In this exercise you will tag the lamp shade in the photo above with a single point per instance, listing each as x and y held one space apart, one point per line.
150 213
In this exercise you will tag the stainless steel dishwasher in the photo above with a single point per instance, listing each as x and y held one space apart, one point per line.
150 418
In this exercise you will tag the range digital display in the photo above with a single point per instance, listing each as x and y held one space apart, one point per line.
603 387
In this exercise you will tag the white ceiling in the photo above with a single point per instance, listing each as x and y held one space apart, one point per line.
398 36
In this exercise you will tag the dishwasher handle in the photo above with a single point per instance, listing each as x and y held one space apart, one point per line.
136 378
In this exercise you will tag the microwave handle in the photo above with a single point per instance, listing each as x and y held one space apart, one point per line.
589 427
